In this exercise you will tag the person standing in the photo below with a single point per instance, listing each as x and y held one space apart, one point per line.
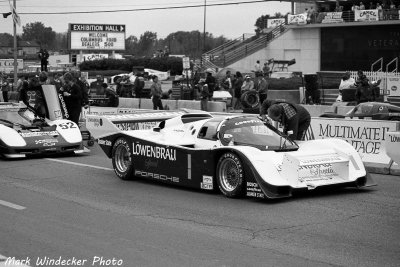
237 91
248 84
73 97
156 93
210 81
257 68
204 95
5 87
43 56
97 85
262 88
363 92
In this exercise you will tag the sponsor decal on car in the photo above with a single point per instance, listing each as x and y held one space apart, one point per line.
157 176
253 190
154 151
46 142
143 115
35 134
104 142
207 183
317 172
129 126
97 122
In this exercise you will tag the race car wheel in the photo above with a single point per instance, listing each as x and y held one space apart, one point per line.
122 160
230 175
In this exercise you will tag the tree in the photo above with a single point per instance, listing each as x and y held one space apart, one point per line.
7 38
147 43
131 45
45 36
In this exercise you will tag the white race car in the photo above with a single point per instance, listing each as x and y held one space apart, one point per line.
240 155
24 132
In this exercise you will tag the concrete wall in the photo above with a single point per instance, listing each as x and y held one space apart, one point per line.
303 44
213 106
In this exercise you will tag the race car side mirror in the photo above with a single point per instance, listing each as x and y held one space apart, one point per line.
229 139
156 129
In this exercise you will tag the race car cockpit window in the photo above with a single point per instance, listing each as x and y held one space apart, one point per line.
209 130
251 131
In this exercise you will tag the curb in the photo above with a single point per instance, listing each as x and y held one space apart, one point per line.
395 169
379 168
391 168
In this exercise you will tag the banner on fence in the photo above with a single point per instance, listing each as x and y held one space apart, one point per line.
272 23
332 17
299 19
366 15
366 136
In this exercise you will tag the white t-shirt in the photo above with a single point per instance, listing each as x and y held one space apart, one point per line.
346 84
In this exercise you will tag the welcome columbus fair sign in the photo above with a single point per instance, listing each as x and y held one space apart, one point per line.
366 136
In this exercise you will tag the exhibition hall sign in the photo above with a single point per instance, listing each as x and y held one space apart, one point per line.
97 37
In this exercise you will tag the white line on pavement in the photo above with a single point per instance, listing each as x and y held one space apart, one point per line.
11 205
80 164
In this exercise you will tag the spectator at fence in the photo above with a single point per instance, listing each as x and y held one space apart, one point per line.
362 7
371 5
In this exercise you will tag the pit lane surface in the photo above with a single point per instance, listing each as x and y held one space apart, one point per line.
76 208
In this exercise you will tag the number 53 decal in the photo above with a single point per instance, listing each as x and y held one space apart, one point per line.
67 125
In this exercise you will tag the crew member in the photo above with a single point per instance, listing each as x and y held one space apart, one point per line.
293 118
73 97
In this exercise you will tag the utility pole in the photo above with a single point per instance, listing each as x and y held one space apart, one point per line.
204 34
15 45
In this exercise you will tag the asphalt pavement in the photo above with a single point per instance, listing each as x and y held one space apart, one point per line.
74 209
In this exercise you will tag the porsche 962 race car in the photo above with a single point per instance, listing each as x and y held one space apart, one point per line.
241 155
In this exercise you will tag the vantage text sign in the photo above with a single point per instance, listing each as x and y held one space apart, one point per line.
97 37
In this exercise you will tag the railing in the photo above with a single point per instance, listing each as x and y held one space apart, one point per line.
245 48
394 61
377 62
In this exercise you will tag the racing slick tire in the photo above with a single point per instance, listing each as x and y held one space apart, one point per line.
230 175
122 160
250 99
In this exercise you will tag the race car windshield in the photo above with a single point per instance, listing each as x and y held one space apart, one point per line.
17 116
252 131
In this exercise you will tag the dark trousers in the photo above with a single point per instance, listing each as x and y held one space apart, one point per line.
5 96
157 103
262 97
74 114
43 65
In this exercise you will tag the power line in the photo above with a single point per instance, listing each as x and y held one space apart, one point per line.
140 9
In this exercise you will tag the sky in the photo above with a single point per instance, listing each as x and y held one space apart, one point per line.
230 21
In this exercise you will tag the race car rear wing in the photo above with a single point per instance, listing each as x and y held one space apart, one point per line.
103 125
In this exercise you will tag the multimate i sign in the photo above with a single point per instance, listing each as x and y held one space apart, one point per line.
97 36
366 136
